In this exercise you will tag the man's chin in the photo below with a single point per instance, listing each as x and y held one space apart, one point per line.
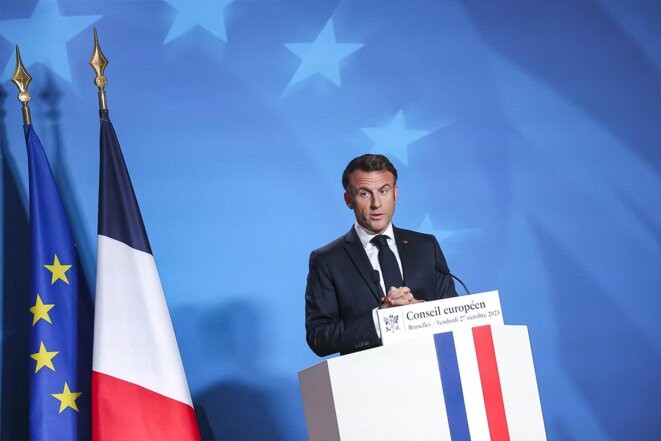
376 228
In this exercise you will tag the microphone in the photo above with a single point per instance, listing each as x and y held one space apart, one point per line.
446 272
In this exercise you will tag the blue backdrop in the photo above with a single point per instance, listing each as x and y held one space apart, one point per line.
526 134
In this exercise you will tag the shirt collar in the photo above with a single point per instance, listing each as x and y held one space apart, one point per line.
365 236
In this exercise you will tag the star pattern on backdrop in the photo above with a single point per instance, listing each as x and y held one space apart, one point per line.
394 138
322 56
40 311
58 271
426 226
67 398
43 37
44 358
208 14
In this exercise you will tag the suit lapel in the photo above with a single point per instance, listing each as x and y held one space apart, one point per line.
356 252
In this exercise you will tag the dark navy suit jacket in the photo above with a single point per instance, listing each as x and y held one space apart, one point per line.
341 291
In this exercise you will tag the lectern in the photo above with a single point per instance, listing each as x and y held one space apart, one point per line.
466 384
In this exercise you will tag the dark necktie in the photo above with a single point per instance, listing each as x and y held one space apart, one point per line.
388 262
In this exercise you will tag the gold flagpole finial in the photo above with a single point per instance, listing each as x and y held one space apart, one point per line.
22 79
99 63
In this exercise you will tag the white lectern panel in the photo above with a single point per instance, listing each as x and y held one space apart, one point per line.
473 384
381 394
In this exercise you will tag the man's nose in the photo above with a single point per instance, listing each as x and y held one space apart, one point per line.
376 201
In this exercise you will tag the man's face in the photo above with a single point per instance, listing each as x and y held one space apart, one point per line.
372 196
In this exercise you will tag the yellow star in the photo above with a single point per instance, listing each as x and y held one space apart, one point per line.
58 270
67 398
40 311
44 358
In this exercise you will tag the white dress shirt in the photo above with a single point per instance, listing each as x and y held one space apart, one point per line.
372 251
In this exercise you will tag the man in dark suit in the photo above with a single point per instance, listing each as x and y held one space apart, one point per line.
375 265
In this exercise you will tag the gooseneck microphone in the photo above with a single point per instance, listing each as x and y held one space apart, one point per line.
446 272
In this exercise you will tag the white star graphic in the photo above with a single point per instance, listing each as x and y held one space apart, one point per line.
208 14
43 38
394 138
323 56
427 227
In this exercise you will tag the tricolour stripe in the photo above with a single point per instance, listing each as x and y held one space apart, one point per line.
519 384
490 379
452 391
470 383
119 212
133 335
138 413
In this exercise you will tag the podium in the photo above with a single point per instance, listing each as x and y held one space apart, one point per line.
474 383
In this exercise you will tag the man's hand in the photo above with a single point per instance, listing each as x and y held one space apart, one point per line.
398 297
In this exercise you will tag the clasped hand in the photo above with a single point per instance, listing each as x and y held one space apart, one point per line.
398 297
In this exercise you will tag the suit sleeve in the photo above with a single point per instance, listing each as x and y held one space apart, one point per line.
328 330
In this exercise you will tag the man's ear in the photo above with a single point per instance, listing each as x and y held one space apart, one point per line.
348 200
395 193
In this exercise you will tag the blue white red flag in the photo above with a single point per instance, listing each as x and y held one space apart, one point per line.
138 381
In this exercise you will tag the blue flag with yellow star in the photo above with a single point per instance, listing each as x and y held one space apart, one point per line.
60 339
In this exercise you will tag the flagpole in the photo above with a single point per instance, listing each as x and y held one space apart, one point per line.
99 62
139 387
22 79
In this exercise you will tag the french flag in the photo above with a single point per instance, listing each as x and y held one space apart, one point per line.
139 388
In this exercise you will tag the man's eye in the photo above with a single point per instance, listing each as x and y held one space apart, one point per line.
363 194
384 191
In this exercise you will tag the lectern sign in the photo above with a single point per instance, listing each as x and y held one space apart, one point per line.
404 322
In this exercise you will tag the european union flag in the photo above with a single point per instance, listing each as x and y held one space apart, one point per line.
60 341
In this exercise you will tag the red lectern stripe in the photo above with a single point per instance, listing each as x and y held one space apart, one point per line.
493 395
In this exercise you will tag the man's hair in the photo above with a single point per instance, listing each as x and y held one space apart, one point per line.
367 163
